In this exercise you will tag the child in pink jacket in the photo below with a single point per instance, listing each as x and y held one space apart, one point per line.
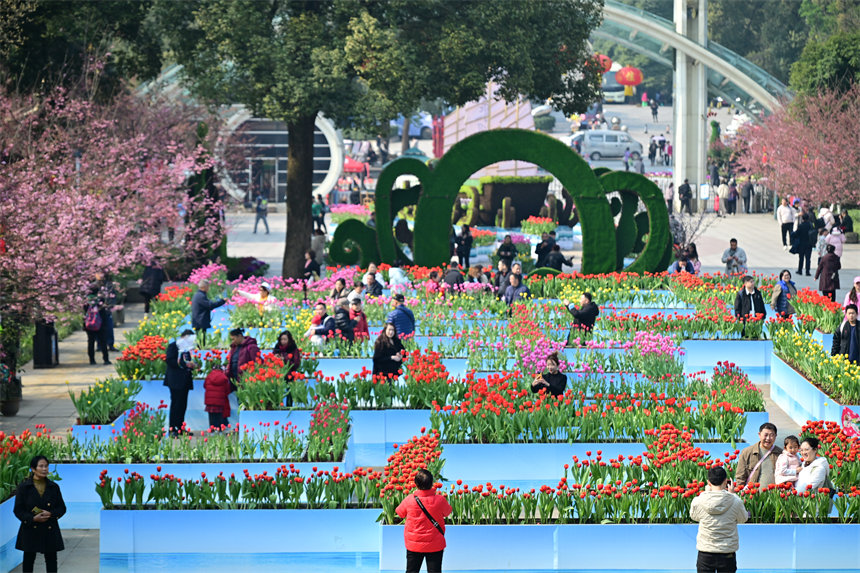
788 462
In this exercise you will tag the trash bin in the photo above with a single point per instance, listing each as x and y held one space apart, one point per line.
45 346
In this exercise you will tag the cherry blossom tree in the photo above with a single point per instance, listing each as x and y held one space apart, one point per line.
87 188
808 148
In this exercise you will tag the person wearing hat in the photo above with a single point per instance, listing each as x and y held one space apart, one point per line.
853 295
401 317
342 321
264 297
837 239
355 313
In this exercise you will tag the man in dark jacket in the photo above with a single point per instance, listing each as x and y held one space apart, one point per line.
746 194
516 291
453 277
543 249
554 260
715 176
372 286
846 222
501 280
846 339
150 283
179 380
801 245
243 349
685 194
401 317
342 321
749 302
584 317
464 246
201 310
507 251
322 326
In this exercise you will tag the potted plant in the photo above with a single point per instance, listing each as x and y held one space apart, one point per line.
10 392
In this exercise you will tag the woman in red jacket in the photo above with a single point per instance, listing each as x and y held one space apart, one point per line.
216 398
425 512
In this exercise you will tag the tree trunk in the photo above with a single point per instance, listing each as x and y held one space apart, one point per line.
404 135
300 184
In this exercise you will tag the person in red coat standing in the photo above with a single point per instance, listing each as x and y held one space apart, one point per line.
217 398
425 512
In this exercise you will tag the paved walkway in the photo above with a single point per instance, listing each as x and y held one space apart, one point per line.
758 235
46 390
80 555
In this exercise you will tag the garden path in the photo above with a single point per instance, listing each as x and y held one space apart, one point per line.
46 398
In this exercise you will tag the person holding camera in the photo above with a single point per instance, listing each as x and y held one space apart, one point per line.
718 512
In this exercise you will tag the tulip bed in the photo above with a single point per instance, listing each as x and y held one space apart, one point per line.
629 387
640 489
836 376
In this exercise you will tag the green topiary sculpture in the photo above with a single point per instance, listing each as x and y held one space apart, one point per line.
440 186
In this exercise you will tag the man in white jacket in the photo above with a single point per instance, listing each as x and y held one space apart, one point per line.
718 512
785 215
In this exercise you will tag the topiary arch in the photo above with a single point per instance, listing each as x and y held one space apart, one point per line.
440 186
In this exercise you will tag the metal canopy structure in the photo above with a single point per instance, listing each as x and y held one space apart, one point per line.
700 67
728 74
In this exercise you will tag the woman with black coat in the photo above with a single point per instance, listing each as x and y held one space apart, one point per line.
312 267
287 349
552 381
387 352
39 504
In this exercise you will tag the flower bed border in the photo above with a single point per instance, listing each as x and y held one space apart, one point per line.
128 532
800 398
99 432
550 547
658 547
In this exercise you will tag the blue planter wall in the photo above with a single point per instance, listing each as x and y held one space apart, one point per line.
321 540
801 399
99 432
629 548
826 340
9 556
703 354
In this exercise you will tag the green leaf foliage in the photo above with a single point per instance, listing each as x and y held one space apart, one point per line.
830 65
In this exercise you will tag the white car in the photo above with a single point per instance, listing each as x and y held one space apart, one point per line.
600 143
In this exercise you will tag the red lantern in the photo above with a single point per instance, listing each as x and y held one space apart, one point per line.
604 61
628 76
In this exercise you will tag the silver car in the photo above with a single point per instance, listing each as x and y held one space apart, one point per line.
599 143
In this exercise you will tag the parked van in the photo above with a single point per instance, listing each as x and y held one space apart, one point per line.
599 143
